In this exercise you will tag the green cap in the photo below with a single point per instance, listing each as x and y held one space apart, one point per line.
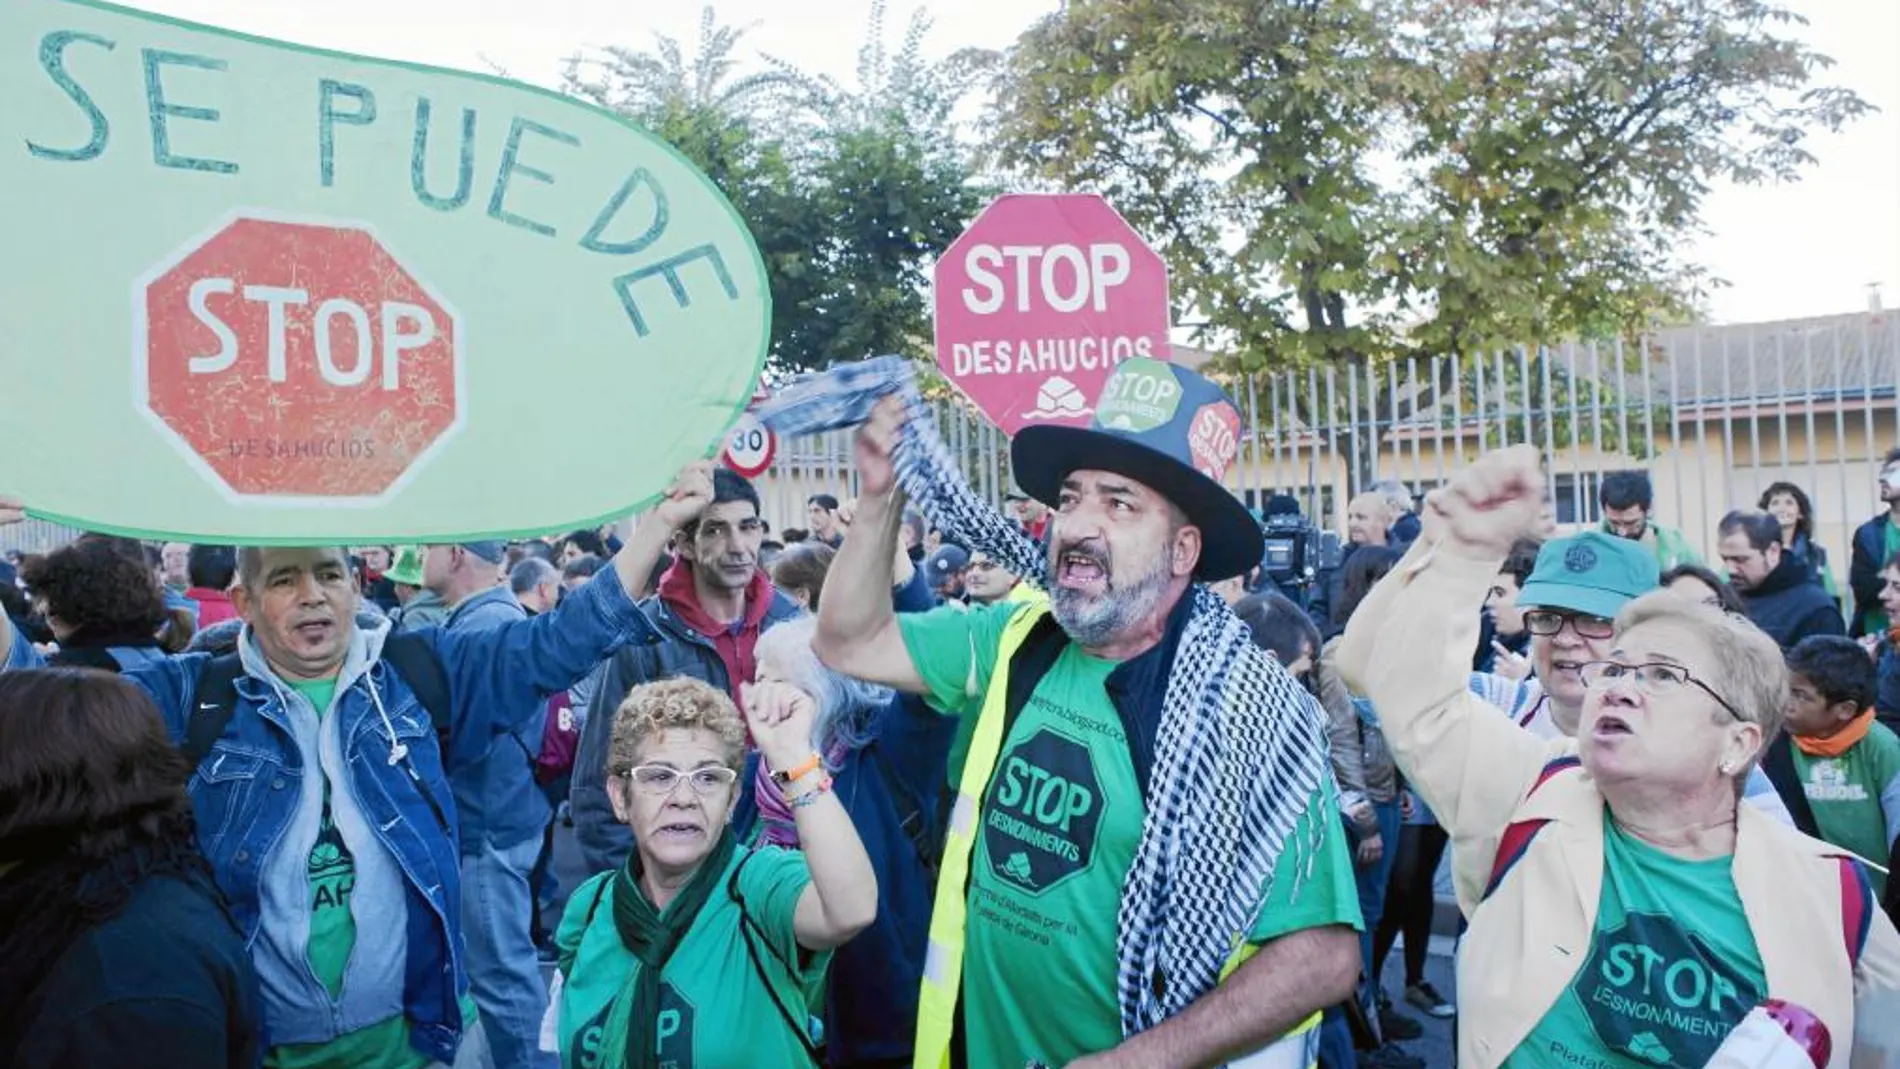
408 567
1591 573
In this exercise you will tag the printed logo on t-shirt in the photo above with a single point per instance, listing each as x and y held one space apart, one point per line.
674 1037
1657 993
1044 807
332 869
1828 782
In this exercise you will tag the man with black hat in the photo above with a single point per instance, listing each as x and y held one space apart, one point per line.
1104 906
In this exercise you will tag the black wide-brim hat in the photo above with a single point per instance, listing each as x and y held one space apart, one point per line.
1169 429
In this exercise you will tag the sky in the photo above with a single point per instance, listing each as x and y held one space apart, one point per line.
1809 248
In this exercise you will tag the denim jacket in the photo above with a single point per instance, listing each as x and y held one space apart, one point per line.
246 791
496 797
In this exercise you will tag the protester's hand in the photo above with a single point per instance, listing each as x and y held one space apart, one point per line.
12 510
780 716
1361 813
1371 848
1870 643
1406 805
691 492
1508 664
876 447
1489 505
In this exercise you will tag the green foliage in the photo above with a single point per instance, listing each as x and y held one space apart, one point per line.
1355 180
850 193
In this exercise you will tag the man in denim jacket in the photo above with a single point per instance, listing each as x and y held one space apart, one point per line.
329 764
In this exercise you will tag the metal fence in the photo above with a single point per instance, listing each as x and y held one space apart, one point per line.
35 536
1715 414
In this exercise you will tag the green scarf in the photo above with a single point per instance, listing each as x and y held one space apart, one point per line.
652 936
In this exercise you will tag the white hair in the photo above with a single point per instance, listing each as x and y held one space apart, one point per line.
847 707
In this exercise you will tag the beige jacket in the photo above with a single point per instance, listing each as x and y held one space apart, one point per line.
1408 648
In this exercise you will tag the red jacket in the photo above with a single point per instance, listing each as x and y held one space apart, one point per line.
214 606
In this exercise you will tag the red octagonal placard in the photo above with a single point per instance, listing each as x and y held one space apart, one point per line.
1039 300
298 360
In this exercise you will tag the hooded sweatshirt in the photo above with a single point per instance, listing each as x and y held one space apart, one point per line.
297 1008
734 642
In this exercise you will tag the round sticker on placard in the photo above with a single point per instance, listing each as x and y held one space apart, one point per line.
1214 439
1140 396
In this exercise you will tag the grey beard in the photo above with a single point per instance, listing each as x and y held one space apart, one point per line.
1093 624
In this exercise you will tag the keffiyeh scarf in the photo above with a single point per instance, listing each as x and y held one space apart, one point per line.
1239 753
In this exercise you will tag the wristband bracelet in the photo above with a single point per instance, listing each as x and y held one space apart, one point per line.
797 772
819 786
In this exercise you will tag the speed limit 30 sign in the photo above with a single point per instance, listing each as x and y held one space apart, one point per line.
750 447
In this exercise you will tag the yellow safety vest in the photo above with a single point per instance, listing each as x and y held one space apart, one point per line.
943 960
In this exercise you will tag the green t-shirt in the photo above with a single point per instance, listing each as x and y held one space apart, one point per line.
384 1045
713 1012
1672 968
1856 797
1060 823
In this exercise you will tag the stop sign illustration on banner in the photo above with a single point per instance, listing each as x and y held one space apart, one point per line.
1039 300
298 361
270 294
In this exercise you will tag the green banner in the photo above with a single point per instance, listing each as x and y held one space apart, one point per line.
261 293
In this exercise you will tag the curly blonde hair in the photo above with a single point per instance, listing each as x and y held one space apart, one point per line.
684 704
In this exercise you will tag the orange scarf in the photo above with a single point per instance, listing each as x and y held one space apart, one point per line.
1841 741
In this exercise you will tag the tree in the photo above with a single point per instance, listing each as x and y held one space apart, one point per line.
715 120
849 193
1352 181
893 176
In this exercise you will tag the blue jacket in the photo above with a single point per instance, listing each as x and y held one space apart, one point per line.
1863 570
871 1008
247 791
672 649
495 795
1790 608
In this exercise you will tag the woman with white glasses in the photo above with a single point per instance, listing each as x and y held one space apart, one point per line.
700 951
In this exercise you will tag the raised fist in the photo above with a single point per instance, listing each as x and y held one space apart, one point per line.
1489 505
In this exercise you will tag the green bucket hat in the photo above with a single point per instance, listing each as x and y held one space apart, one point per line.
408 567
1591 573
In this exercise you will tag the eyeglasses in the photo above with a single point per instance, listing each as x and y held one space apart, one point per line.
1654 679
1546 622
663 780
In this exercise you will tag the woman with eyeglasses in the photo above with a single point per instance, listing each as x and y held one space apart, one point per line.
1626 908
700 951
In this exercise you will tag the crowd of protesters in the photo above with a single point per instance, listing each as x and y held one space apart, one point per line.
1086 784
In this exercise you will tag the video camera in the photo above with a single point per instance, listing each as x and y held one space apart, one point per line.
1297 551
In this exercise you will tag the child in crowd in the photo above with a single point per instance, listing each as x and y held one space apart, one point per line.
1847 763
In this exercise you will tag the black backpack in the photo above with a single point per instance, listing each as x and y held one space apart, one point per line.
409 654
